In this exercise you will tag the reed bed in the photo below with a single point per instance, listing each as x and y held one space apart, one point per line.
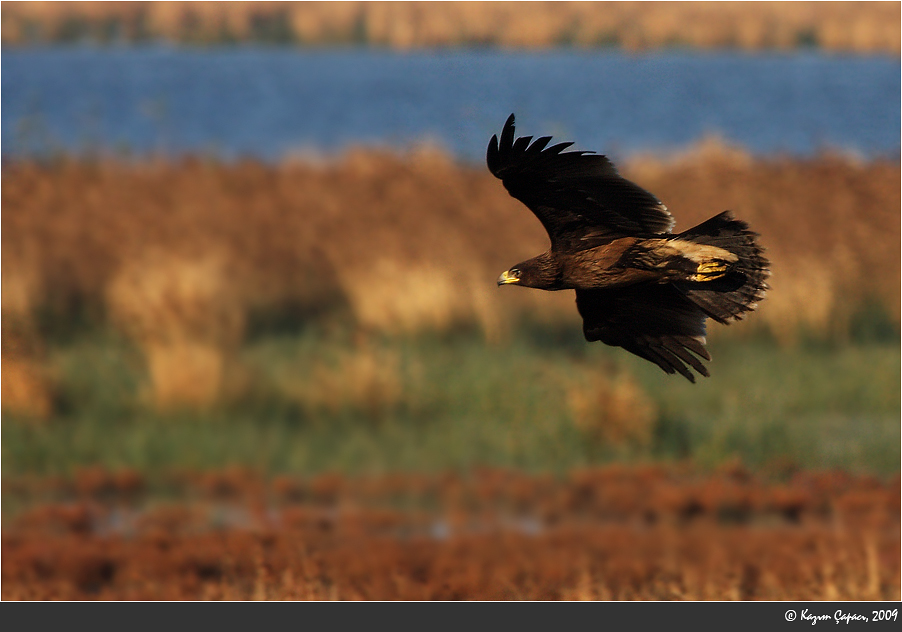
645 532
871 27
27 385
188 258
403 242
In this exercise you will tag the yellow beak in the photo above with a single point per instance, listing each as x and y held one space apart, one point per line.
507 279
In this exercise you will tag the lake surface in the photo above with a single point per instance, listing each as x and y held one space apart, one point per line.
269 102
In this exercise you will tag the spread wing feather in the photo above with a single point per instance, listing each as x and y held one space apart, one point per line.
578 196
653 321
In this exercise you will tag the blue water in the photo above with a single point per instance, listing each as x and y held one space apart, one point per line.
267 102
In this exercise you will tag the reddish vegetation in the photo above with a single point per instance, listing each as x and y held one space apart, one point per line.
611 533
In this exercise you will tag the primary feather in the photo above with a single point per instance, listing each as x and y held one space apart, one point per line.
575 194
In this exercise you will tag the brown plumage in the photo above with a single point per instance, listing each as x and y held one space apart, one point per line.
638 286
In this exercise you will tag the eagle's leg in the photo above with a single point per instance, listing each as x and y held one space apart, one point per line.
710 270
681 260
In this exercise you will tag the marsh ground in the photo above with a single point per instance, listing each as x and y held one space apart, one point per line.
237 380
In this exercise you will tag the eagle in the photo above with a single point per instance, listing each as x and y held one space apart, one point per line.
638 285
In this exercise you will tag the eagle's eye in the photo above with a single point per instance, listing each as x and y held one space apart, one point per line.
515 272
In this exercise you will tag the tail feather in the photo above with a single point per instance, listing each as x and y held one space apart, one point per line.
729 296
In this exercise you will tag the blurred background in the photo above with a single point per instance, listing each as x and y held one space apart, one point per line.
249 253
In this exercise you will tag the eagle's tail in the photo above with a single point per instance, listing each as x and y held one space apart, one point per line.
726 293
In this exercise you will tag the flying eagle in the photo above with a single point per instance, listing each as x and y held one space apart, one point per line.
638 286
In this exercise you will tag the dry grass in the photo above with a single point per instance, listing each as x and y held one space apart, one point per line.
612 411
849 26
182 256
366 380
186 315
407 241
27 385
649 533
27 388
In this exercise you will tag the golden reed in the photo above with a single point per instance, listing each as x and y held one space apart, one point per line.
864 27
181 255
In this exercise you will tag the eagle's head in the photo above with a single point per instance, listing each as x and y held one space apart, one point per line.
541 272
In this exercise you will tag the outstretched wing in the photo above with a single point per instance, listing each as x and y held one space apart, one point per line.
654 321
578 196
